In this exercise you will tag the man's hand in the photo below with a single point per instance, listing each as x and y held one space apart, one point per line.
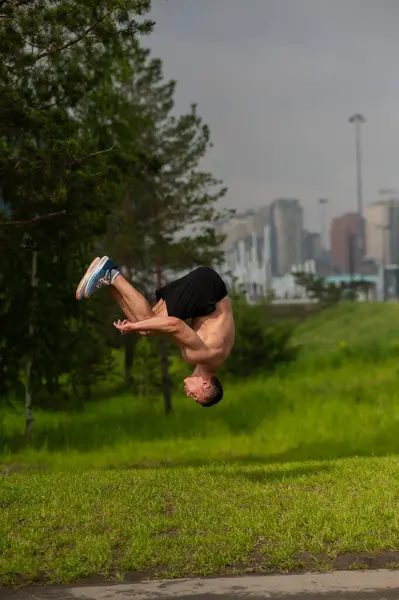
124 326
127 327
149 326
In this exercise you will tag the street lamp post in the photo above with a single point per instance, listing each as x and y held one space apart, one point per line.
357 120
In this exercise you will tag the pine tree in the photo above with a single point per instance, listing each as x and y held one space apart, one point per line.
52 55
166 221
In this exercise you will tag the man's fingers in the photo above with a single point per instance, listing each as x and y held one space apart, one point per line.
118 325
123 326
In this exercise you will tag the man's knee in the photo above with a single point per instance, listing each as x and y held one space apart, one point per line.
160 309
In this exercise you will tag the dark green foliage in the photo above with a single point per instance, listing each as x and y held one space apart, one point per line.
172 194
318 289
51 57
92 161
262 343
328 293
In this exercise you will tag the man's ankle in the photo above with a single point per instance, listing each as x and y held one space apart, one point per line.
114 274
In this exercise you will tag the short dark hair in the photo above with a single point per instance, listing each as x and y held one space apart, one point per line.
216 394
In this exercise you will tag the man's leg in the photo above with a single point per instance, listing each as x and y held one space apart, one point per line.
134 302
131 301
156 310
125 308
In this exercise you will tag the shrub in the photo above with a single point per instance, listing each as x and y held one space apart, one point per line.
261 343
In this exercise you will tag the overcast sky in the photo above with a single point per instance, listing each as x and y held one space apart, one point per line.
276 81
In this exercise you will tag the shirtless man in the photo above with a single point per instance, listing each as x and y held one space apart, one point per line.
201 296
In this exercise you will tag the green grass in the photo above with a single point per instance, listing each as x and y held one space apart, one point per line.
295 471
331 413
196 521
368 326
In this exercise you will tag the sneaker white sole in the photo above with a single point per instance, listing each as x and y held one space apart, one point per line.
98 266
85 277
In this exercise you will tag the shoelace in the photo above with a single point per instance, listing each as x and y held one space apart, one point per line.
106 280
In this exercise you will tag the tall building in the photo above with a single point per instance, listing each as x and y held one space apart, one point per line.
344 245
382 230
286 224
311 246
247 249
242 225
249 244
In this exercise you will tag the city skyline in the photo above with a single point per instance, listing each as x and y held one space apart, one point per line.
277 85
274 240
382 198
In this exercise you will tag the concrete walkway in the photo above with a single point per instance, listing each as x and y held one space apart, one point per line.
341 585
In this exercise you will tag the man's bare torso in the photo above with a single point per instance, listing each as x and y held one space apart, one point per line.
216 331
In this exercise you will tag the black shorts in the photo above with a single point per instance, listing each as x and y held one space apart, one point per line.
194 295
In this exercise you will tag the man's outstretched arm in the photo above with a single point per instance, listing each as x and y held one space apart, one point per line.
184 336
160 324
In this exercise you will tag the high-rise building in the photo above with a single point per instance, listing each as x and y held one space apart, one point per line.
247 249
382 230
344 244
311 245
286 224
242 225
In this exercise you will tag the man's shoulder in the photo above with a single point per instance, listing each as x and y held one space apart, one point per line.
226 303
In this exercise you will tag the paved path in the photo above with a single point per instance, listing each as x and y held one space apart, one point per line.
343 585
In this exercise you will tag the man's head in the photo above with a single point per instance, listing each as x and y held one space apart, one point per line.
206 390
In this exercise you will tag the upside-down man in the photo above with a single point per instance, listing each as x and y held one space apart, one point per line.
200 296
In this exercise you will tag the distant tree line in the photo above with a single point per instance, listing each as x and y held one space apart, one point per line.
328 293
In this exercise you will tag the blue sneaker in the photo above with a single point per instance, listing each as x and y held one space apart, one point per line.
83 281
102 275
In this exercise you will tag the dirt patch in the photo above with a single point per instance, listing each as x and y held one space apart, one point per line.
366 560
303 562
168 533
257 563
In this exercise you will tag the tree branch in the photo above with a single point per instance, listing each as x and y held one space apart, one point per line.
39 164
75 40
77 160
34 220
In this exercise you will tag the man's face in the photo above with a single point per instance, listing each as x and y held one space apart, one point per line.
197 387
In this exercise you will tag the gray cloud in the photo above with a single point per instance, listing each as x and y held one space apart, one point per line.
277 80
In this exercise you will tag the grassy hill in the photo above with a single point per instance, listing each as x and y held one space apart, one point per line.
369 325
341 398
